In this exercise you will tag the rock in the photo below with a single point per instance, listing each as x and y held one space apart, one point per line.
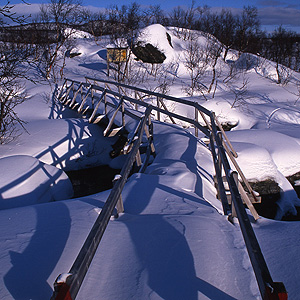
269 191
148 53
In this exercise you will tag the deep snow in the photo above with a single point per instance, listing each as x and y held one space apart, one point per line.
172 242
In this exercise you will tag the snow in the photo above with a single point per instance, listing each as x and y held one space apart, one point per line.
28 181
172 241
69 143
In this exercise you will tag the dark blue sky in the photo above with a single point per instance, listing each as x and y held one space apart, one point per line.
272 13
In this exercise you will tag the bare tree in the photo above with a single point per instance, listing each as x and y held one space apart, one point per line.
183 20
59 16
240 93
11 91
247 29
124 23
6 14
154 15
196 62
214 49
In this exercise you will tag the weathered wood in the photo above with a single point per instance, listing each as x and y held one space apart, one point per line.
84 100
220 185
167 97
225 136
196 120
166 109
241 173
98 119
138 159
246 200
75 95
268 289
111 122
150 137
227 189
83 260
97 106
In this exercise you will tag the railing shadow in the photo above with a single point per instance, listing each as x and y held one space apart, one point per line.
75 145
27 278
159 238
44 192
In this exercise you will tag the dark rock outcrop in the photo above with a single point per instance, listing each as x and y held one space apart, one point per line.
148 53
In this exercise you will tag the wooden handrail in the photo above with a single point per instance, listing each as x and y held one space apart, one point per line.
269 290
69 287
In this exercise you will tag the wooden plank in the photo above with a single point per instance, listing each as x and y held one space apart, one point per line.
113 132
98 119
249 196
96 107
246 200
240 173
225 136
167 97
107 129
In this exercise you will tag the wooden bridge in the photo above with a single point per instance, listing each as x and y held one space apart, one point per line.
119 105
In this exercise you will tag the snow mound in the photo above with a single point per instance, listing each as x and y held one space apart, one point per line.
283 149
69 144
161 38
266 154
28 181
259 65
77 34
255 161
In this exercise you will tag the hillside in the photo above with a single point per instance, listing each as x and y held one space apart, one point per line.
172 242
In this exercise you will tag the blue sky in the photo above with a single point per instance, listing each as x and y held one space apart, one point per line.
272 13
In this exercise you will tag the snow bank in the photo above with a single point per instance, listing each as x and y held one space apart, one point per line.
266 154
157 36
69 144
283 149
28 181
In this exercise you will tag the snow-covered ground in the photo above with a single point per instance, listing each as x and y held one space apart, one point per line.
172 242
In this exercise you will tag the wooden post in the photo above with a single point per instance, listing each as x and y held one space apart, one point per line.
240 172
247 200
235 177
119 205
225 135
74 96
135 97
219 153
166 109
105 101
123 114
138 159
196 119
158 106
92 94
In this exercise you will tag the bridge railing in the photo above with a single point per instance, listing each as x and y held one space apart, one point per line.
69 285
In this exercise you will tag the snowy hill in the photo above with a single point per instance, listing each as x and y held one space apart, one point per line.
172 242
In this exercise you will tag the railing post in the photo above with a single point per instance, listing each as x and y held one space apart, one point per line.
135 97
81 92
236 180
138 159
219 154
92 95
119 205
158 106
123 114
196 120
105 101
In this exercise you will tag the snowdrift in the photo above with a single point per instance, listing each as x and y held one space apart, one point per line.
172 242
28 181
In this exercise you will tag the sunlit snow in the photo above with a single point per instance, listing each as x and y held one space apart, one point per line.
172 242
